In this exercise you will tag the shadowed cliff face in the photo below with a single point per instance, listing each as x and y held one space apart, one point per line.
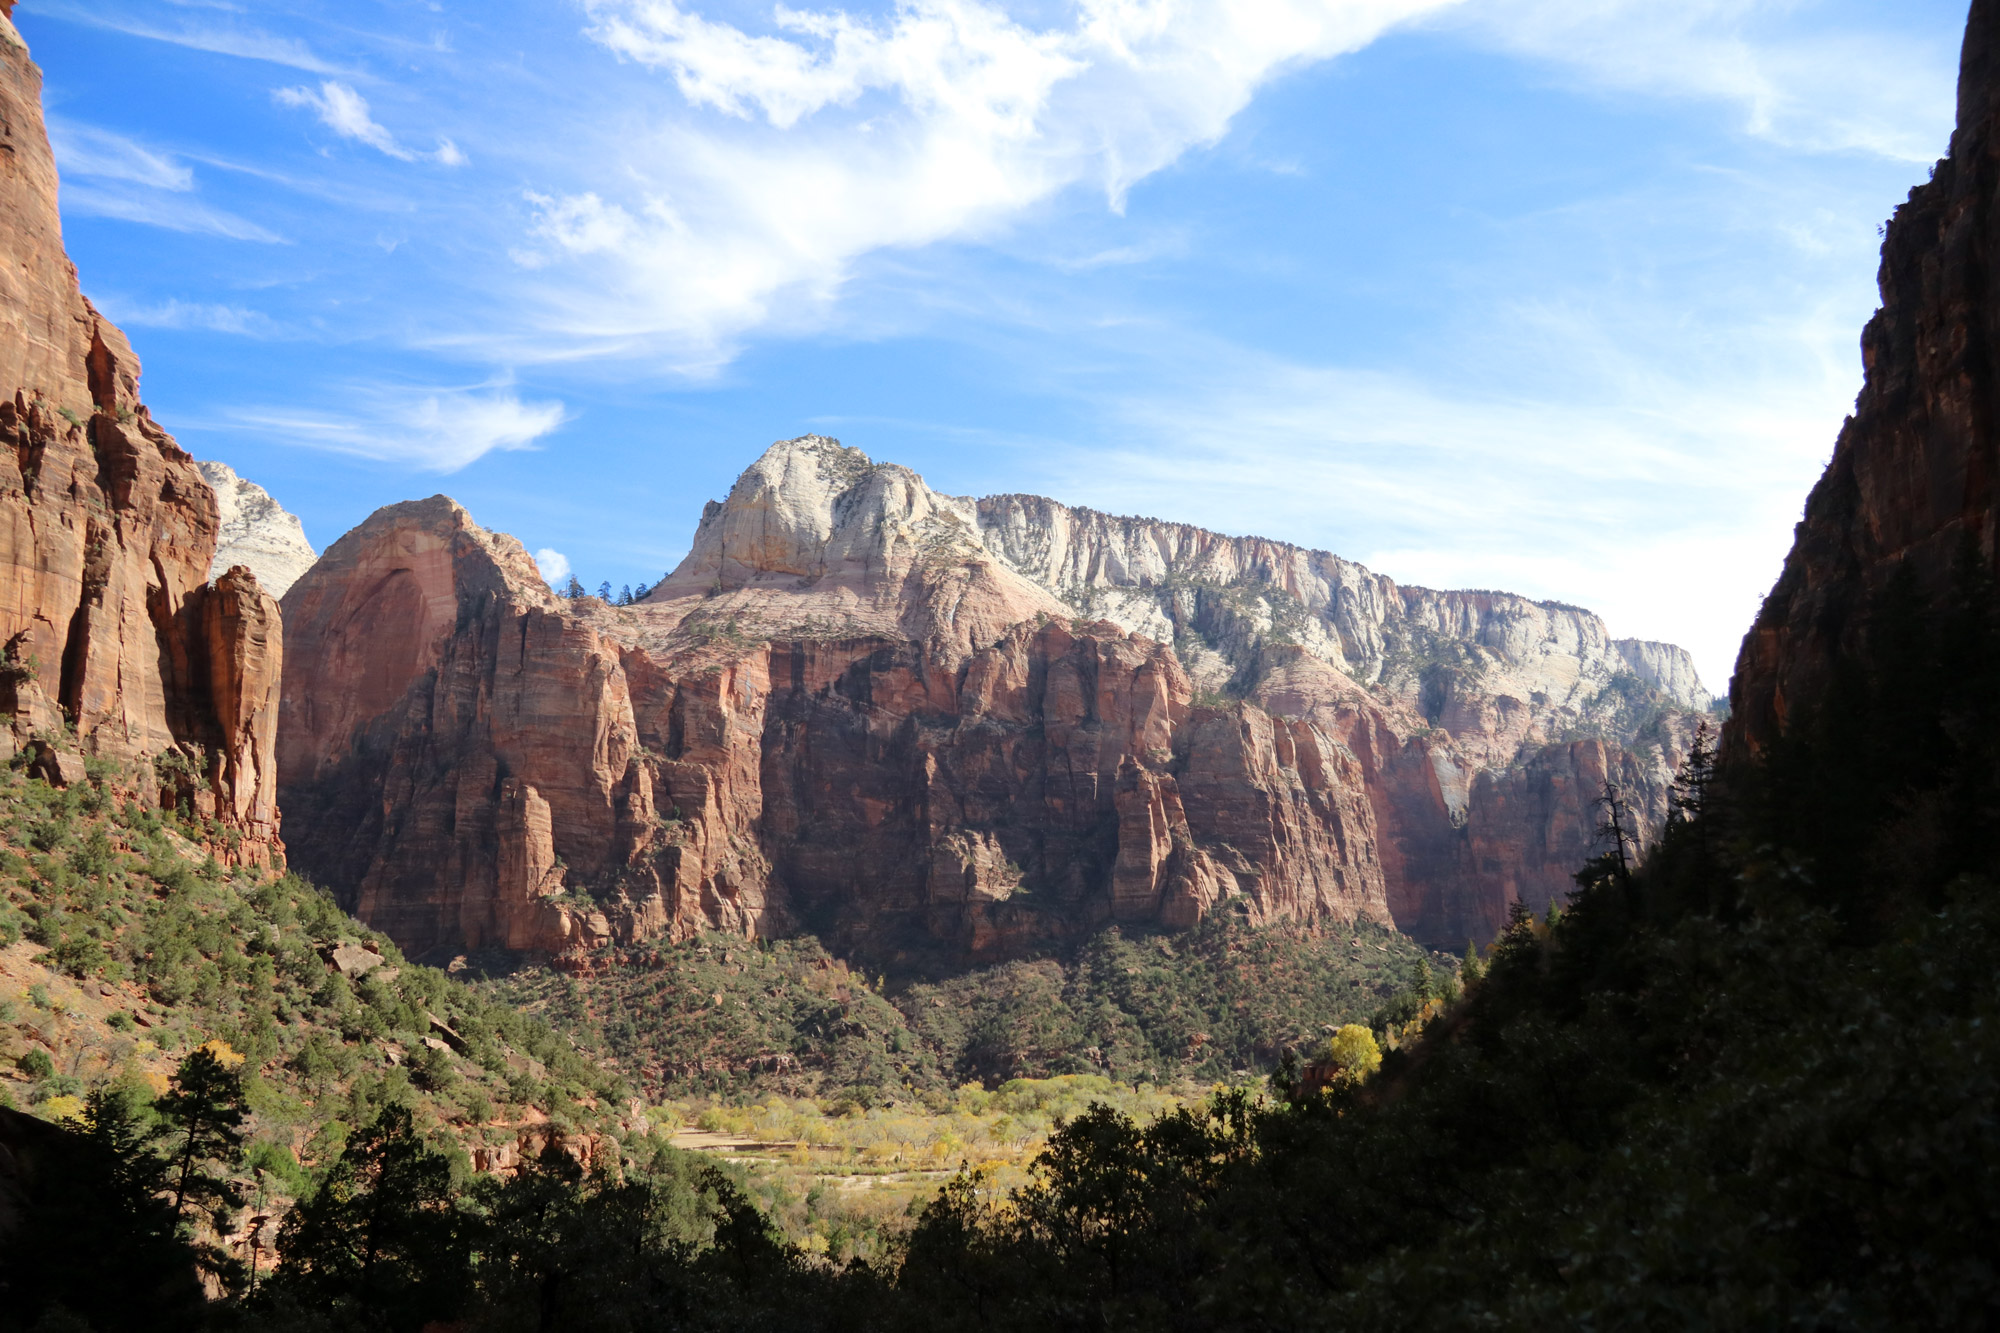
880 713
106 533
1911 484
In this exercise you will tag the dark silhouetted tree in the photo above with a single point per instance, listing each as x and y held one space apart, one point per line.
203 1111
383 1235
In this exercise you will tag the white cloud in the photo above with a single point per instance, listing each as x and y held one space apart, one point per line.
554 566
247 44
85 150
1814 85
839 136
346 113
175 212
108 175
439 431
177 314
823 137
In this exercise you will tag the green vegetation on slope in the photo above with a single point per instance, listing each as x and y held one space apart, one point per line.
124 950
732 1018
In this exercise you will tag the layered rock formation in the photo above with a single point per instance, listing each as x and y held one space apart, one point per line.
918 723
255 531
1912 482
114 643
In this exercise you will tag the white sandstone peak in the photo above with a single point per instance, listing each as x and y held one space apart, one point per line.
256 531
813 507
813 514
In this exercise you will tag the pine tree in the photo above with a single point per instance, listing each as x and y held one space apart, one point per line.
383 1232
1690 793
204 1115
91 1240
1687 801
575 588
134 1171
625 595
1621 826
604 591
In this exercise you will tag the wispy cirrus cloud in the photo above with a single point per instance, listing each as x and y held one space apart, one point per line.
175 212
346 113
226 39
174 314
110 175
1833 85
824 137
86 150
431 430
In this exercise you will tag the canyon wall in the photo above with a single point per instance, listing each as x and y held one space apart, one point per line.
113 644
936 729
1911 485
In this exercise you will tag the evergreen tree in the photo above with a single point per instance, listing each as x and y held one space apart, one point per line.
134 1170
90 1241
604 591
204 1115
575 588
625 595
383 1235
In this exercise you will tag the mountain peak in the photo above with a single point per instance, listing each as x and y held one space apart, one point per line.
255 531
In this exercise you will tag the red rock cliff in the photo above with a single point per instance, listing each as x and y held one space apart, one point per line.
1913 475
115 645
478 762
851 710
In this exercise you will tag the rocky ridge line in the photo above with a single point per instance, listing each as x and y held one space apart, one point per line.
847 711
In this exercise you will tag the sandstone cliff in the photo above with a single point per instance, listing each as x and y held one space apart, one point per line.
891 716
114 644
255 531
1913 475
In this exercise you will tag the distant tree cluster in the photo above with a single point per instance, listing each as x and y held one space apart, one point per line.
625 596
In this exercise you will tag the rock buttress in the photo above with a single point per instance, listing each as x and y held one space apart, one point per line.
114 645
1911 483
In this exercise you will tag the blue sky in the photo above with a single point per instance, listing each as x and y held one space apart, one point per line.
1558 296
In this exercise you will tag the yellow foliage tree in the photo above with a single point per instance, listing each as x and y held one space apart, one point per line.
224 1054
63 1108
1353 1049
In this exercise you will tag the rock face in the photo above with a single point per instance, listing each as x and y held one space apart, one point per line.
114 643
929 726
255 532
1913 477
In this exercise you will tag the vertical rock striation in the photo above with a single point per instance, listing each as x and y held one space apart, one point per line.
926 726
114 644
